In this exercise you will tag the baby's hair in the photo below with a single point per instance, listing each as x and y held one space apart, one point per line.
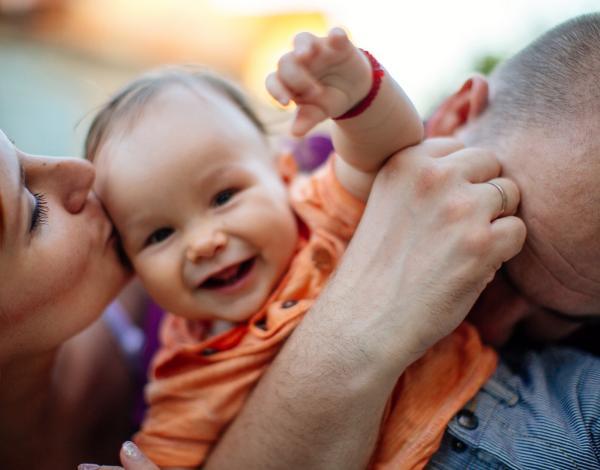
552 79
133 97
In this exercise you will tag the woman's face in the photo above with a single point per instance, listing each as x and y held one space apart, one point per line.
58 263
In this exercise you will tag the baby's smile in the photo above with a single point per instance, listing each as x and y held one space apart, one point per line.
230 278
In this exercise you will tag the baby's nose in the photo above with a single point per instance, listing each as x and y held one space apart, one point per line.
206 246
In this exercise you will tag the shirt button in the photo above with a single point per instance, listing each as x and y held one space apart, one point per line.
322 259
289 303
467 419
209 351
458 446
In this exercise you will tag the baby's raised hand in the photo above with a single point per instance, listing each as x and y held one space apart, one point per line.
324 76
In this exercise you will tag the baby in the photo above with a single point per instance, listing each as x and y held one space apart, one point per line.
217 228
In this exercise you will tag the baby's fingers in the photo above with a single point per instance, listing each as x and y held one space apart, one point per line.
277 90
338 40
296 79
305 45
307 117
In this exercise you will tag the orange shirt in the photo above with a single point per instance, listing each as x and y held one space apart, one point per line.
198 385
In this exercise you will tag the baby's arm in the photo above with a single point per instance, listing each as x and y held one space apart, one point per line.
327 77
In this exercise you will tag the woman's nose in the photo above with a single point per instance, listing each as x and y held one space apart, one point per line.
68 179
205 245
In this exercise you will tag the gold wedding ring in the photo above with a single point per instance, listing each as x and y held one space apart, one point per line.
502 195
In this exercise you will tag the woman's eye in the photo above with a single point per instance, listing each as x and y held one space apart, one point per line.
39 214
158 236
223 197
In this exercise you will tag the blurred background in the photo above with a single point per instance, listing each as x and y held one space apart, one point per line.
60 59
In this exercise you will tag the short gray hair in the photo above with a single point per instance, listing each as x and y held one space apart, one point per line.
554 78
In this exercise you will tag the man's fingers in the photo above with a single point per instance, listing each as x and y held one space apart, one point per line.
437 147
500 196
509 233
475 164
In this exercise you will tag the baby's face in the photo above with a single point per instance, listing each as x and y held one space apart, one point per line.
195 195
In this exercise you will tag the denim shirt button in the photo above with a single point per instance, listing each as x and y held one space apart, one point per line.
467 419
261 324
458 446
209 351
322 259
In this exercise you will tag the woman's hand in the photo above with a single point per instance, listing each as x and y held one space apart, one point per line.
132 458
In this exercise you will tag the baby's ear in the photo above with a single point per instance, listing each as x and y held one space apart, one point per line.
459 109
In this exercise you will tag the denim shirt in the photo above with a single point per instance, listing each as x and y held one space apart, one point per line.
540 410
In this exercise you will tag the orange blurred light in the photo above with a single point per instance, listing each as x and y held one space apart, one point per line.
274 40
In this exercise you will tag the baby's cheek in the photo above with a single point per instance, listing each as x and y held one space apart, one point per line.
160 278
283 240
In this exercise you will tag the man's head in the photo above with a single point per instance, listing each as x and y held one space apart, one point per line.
540 112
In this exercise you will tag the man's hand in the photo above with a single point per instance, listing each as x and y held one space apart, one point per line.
431 238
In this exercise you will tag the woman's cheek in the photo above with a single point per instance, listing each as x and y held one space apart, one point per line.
57 274
60 263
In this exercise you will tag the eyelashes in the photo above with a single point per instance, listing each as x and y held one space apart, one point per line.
223 197
39 215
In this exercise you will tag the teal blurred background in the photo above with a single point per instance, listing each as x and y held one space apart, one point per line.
46 93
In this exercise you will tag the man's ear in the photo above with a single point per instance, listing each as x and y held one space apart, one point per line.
459 109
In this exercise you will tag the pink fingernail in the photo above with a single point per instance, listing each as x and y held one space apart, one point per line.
88 466
131 450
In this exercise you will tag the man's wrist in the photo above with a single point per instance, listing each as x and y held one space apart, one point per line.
359 349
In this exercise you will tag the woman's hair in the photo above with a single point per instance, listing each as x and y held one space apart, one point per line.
130 101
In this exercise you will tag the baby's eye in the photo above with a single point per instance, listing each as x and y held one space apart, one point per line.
223 197
158 236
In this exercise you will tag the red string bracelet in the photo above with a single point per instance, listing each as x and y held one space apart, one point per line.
377 74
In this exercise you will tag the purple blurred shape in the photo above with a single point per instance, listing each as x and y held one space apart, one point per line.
152 320
311 152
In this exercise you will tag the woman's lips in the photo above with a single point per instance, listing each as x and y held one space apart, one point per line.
230 278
